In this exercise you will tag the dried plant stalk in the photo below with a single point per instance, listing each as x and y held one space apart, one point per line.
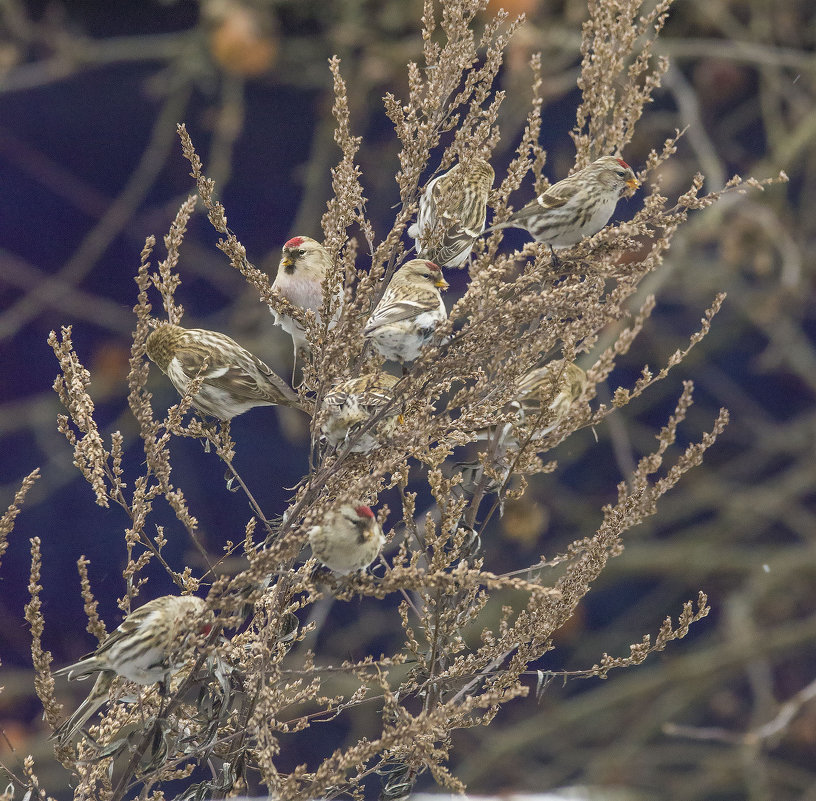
262 682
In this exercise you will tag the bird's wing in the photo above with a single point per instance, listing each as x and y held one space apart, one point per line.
558 194
247 379
393 310
369 393
554 198
192 358
457 237
374 397
129 626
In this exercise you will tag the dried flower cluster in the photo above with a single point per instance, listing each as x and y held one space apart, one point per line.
495 374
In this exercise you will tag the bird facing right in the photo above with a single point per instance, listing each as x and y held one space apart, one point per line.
146 648
578 206
347 539
406 317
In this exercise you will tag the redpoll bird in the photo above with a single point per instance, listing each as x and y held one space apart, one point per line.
348 539
409 312
233 381
558 384
301 272
576 207
148 647
545 397
351 403
452 213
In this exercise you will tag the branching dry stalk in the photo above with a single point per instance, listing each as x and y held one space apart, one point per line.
256 684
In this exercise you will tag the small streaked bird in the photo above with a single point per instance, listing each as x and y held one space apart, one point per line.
347 539
406 317
578 206
234 380
351 403
302 269
545 396
149 645
558 384
452 213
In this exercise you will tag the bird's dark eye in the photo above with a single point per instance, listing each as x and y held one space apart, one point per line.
295 253
621 173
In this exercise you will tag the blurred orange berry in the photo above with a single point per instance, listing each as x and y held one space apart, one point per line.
109 367
512 7
525 521
239 44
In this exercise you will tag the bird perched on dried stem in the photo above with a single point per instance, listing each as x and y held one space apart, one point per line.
233 380
545 396
351 403
452 213
406 317
301 272
578 206
557 384
348 539
149 645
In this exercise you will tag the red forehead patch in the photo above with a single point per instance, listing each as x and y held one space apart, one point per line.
364 511
431 266
294 242
623 164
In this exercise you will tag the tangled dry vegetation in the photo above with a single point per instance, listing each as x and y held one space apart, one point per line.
255 682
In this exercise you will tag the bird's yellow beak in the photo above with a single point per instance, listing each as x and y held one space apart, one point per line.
442 284
633 183
286 262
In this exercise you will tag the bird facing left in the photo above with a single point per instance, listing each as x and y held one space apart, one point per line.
301 272
233 380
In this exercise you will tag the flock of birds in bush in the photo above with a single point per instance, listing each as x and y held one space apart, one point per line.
231 380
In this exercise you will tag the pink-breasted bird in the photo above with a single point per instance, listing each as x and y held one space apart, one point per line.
302 269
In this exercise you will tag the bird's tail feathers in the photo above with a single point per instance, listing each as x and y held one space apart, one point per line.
79 671
96 698
498 226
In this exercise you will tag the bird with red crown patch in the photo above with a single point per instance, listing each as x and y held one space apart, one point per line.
348 538
301 274
406 317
